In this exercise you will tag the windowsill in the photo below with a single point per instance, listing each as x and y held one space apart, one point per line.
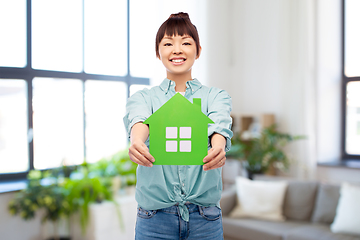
349 164
12 186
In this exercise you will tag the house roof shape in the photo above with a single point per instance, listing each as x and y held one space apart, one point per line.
179 110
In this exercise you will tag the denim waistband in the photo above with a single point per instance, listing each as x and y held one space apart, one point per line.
174 209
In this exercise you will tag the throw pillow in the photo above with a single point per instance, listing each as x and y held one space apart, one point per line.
299 200
347 218
326 202
259 199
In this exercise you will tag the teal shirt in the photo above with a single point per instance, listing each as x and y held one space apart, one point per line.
163 186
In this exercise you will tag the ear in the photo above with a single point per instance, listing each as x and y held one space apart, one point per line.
198 55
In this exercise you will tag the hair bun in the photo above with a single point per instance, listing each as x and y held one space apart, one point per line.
180 15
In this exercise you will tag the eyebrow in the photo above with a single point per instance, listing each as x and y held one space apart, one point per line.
181 38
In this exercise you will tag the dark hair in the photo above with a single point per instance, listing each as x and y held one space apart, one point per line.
177 24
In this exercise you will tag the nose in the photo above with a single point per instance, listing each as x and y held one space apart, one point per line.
177 49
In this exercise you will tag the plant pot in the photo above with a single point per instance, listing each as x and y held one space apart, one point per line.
60 228
251 170
104 222
251 174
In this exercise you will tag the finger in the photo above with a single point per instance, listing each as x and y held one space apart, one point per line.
219 164
140 158
211 155
144 161
216 155
137 161
134 159
144 151
207 157
147 155
214 161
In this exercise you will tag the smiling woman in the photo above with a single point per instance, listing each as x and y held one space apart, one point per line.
177 26
189 195
178 46
178 55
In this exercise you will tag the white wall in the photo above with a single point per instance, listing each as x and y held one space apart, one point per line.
260 54
283 57
328 79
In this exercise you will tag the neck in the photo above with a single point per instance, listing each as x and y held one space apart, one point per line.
180 81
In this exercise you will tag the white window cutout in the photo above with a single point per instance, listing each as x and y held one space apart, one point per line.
185 132
171 146
171 132
185 146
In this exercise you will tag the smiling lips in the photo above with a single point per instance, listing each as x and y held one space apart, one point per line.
177 61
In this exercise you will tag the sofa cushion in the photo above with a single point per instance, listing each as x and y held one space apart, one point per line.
347 219
259 199
316 232
326 202
299 200
252 229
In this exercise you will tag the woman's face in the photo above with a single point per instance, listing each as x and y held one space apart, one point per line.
178 54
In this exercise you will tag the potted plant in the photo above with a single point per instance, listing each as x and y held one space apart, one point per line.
64 191
48 196
264 152
98 182
82 192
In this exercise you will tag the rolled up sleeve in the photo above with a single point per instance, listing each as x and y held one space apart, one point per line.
138 109
219 109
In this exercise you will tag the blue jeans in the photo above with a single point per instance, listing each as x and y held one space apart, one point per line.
205 223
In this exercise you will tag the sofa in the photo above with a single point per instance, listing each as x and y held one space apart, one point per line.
309 208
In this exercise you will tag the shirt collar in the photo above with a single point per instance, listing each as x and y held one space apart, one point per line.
194 85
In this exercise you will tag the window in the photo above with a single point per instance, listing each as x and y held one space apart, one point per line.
105 108
351 80
64 80
66 70
13 49
184 140
14 152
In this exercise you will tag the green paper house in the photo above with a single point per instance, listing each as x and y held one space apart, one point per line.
178 132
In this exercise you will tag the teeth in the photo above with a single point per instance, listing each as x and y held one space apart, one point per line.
177 60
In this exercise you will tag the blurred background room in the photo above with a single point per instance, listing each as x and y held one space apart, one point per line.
67 68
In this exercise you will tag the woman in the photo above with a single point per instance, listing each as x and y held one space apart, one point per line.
178 202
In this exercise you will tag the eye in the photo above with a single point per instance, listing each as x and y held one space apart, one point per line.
167 44
186 43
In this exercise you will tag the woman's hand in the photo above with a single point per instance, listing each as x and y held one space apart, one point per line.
216 155
215 158
138 151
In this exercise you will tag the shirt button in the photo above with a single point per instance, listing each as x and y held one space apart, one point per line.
183 184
